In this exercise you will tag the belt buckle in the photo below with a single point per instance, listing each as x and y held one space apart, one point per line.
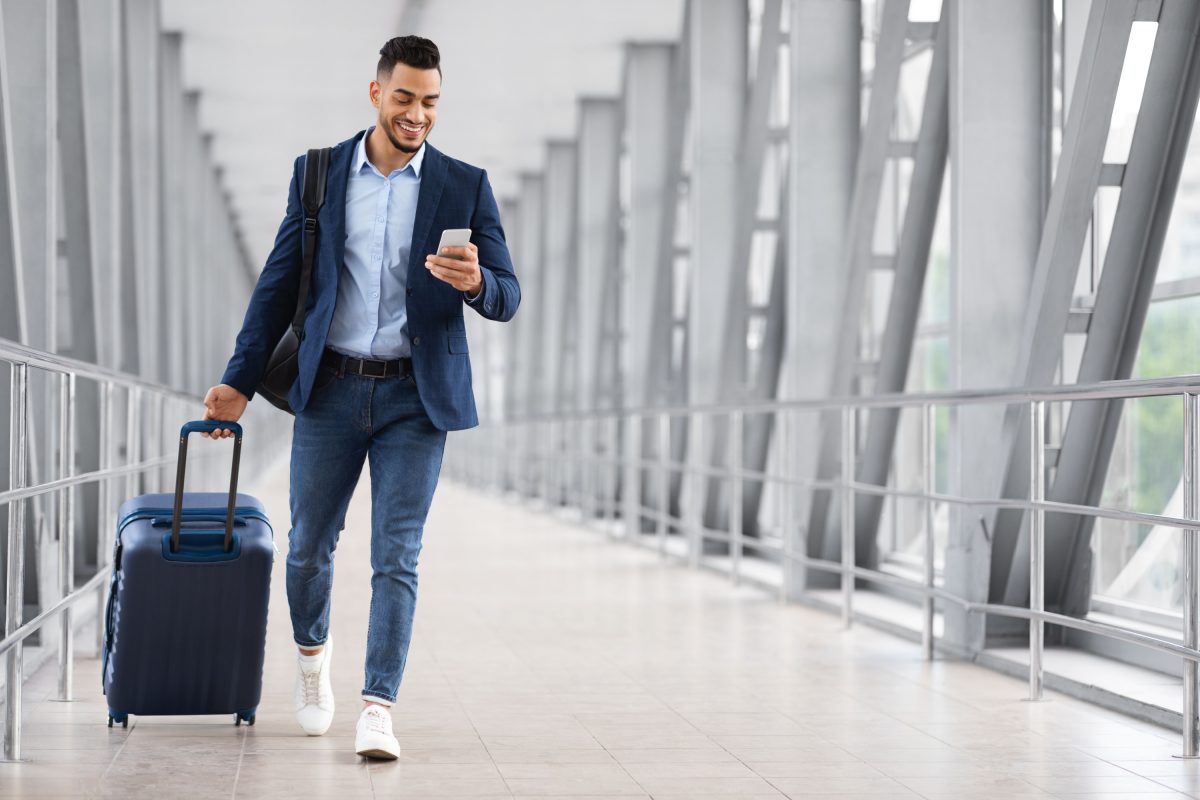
369 372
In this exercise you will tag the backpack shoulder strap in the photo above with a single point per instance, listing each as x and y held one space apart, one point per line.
316 171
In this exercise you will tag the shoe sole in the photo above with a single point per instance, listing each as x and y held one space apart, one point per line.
377 753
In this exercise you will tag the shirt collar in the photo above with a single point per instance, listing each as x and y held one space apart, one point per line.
360 156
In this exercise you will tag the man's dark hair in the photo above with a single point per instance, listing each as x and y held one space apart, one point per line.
412 51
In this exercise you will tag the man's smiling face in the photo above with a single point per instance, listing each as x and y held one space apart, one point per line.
407 102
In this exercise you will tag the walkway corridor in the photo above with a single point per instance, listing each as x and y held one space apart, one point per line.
548 662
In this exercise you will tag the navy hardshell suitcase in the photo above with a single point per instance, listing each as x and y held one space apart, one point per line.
186 623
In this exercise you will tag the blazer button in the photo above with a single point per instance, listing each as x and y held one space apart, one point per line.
416 340
410 291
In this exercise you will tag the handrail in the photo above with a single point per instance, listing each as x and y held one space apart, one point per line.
1129 389
21 354
561 452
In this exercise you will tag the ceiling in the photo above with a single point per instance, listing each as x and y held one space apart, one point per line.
277 77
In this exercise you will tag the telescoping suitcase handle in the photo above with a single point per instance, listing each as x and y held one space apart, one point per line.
208 426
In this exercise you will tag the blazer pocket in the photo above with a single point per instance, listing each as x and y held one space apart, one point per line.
457 344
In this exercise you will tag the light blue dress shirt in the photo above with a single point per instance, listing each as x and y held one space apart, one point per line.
371 316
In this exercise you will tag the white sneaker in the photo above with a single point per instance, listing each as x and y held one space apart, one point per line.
314 694
374 738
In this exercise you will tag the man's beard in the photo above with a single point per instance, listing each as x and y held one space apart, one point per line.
399 145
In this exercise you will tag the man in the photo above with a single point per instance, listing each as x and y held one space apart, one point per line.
383 367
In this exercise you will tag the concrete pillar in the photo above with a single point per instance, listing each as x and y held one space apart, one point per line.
823 147
718 68
998 136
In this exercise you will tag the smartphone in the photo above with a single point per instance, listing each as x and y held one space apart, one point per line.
454 237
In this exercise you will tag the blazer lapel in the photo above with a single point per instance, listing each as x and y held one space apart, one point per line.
334 209
433 179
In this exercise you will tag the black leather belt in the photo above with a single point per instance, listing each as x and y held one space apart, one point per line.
367 367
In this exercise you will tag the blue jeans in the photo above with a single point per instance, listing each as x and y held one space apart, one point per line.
351 418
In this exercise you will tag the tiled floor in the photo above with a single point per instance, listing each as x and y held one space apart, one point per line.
548 662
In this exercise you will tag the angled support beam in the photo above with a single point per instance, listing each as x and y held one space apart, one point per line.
129 293
12 316
141 57
739 384
31 87
1151 177
904 306
75 186
12 294
84 332
100 63
994 536
823 461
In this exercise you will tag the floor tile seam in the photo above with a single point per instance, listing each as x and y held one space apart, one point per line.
116 755
739 760
237 773
891 778
458 700
1131 772
589 732
1165 786
1032 787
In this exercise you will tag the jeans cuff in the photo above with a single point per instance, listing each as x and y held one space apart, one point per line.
310 646
378 698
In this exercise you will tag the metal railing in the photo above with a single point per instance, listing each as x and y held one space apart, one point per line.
149 428
538 456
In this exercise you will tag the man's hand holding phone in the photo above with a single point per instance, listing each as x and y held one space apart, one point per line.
457 262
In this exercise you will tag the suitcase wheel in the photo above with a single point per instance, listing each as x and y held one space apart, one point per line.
121 718
244 716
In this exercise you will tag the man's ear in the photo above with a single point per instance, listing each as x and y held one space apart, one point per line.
376 93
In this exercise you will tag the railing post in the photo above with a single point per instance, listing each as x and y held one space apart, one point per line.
587 453
928 487
736 489
1037 544
516 460
105 522
15 574
664 480
544 460
595 467
696 481
783 436
613 471
131 438
1191 601
631 493
66 536
848 453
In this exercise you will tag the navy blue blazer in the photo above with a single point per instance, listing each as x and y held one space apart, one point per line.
452 195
